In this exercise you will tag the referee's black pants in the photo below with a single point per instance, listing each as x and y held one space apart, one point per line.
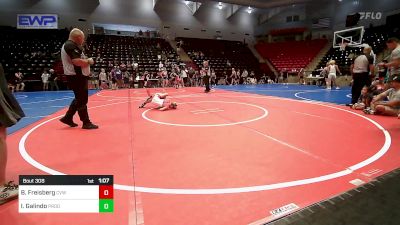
359 81
206 80
79 85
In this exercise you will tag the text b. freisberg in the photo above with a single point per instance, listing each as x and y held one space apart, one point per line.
41 192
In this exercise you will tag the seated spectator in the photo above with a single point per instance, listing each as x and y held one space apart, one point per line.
364 100
11 87
391 107
19 81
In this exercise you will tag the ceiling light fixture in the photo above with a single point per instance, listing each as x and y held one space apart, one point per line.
249 10
187 2
220 5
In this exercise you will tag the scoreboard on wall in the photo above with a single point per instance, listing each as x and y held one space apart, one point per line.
66 194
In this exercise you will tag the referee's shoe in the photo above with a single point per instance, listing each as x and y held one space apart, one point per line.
89 126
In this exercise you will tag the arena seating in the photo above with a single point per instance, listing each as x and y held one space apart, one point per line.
126 49
222 55
17 46
292 55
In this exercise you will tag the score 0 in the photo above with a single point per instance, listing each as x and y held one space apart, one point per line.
106 195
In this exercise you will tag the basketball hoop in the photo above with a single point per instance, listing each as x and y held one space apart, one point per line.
343 46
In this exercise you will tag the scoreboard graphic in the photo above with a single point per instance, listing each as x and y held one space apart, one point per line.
66 194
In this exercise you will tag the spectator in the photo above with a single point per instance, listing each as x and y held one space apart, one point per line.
394 65
390 107
238 74
301 75
222 80
332 70
53 79
126 75
184 77
45 80
213 78
103 79
244 76
264 79
364 100
94 80
19 81
122 66
135 66
118 77
281 78
233 77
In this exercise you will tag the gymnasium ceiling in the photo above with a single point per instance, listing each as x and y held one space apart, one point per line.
261 4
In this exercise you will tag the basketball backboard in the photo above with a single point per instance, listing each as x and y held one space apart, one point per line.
353 37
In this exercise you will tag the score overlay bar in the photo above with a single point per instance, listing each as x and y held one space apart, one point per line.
66 194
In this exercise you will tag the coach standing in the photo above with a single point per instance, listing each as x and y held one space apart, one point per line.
362 70
77 68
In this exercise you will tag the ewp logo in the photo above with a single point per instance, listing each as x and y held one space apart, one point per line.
370 15
37 21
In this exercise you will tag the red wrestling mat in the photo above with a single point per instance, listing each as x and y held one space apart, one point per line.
220 158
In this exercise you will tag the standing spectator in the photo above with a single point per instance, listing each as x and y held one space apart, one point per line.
103 78
280 78
244 76
135 66
332 70
206 78
164 77
53 79
10 114
184 77
301 76
213 78
361 69
118 77
126 75
394 64
238 76
94 79
45 80
233 77
76 68
19 81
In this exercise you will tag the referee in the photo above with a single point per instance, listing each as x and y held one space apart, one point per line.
77 68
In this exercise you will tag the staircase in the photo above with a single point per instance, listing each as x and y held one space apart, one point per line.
256 54
264 62
314 63
182 54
